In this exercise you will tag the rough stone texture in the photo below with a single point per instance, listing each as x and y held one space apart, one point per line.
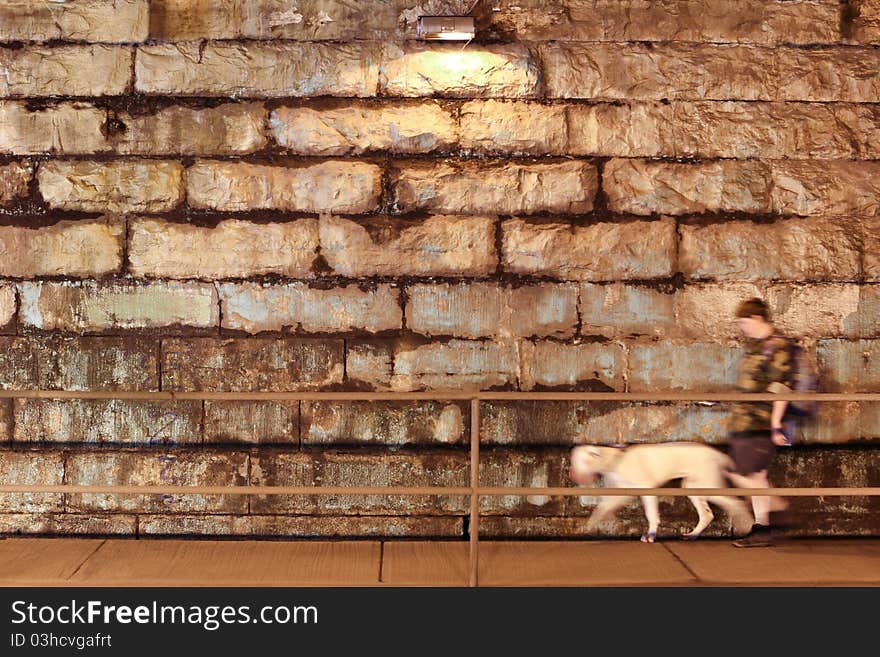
591 366
657 367
625 130
499 187
644 188
68 248
826 188
456 365
93 306
567 423
354 129
484 71
438 246
706 312
361 468
254 422
121 186
62 128
385 423
869 232
68 363
258 70
326 187
369 364
247 365
233 249
8 305
474 310
301 526
296 307
68 523
867 23
513 128
157 468
617 309
31 467
772 22
600 252
849 365
521 468
866 324
14 180
829 74
107 421
795 250
230 129
107 21
65 70
7 419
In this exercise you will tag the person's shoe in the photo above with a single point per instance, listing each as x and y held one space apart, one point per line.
759 536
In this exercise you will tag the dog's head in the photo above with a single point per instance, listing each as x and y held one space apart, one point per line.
586 461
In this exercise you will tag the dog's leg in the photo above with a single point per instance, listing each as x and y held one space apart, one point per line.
652 513
705 516
736 510
606 508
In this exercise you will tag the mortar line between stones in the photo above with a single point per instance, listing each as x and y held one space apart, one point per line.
90 555
682 562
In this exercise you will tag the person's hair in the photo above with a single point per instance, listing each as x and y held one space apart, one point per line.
753 306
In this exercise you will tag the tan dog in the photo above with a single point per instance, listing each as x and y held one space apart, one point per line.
651 466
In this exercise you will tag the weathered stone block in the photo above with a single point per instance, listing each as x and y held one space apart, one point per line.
64 128
83 247
617 309
92 306
107 21
866 26
473 310
832 74
296 307
326 187
513 128
438 246
384 423
590 366
849 365
69 70
8 305
456 365
600 252
232 249
369 364
107 421
669 366
255 422
625 130
500 187
252 364
14 180
826 188
31 468
409 127
518 469
122 186
65 524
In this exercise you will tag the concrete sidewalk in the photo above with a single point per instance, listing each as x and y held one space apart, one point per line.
174 562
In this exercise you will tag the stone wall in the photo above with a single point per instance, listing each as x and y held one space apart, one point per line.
267 195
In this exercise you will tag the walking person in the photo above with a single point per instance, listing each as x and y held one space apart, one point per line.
756 429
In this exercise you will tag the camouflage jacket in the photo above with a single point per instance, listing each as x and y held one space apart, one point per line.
766 367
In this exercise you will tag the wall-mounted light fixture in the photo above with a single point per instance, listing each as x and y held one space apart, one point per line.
446 28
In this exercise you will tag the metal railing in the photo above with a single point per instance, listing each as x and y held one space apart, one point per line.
475 491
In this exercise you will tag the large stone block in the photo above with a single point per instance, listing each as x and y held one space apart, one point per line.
106 21
251 364
826 188
326 187
437 246
258 70
157 468
255 422
497 187
849 365
617 309
706 312
384 423
588 366
65 524
513 128
229 129
15 178
31 468
296 307
8 306
121 186
643 187
379 468
369 364
68 70
869 231
107 421
7 420
795 250
866 26
474 310
599 252
520 468
69 363
232 249
84 247
65 128
833 74
456 365
484 71
693 366
354 129
89 306
620 130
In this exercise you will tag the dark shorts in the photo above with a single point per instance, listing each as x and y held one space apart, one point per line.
751 451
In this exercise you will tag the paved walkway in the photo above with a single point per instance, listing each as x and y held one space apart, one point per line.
166 562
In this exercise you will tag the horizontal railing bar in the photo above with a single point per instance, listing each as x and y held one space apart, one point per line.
430 490
452 395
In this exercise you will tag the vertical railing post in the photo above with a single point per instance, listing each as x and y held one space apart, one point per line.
475 499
